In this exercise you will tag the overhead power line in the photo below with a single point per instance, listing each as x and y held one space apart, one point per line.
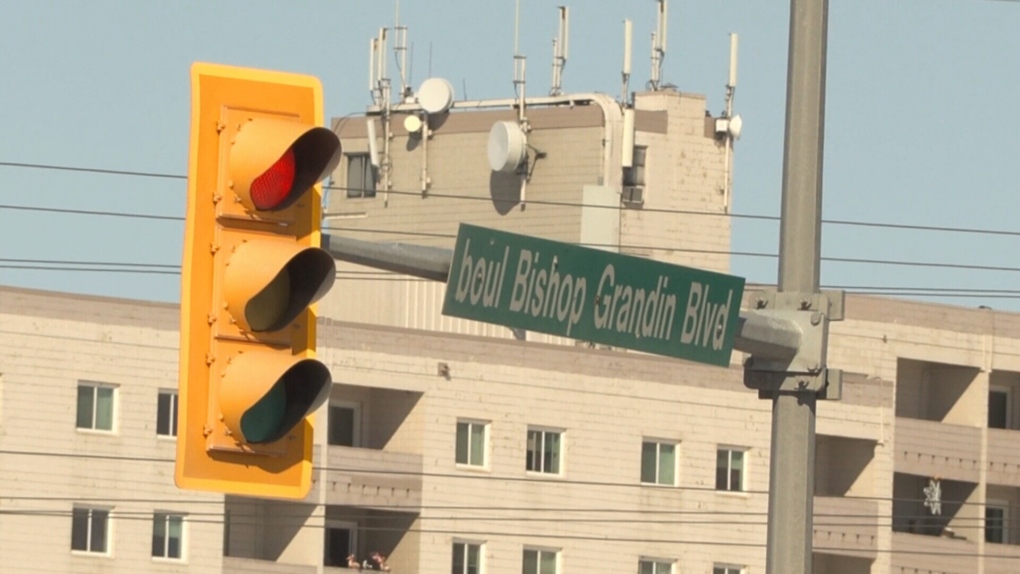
92 170
439 195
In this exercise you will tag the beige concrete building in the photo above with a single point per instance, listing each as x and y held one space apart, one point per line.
501 452
458 447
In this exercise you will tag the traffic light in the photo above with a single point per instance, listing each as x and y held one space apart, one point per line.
252 267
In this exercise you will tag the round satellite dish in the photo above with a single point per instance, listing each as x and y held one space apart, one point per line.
508 146
736 124
412 124
435 96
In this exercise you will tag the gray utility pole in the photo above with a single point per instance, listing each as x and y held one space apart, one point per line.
794 385
786 334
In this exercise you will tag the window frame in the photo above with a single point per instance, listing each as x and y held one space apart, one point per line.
743 487
1008 392
107 550
352 537
168 515
1004 506
560 447
95 386
539 550
466 545
656 563
484 465
355 422
659 443
175 399
362 191
728 569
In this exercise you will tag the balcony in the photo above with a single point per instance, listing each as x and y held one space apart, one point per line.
1002 558
1003 457
372 478
846 526
920 553
929 448
250 566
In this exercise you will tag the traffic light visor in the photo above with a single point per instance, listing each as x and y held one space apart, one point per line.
258 412
274 162
268 284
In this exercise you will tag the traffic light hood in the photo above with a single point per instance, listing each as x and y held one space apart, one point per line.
274 162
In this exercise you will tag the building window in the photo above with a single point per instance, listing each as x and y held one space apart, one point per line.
729 469
343 425
998 408
471 443
166 413
89 529
467 558
167 535
635 175
540 561
339 544
361 175
727 569
650 566
658 463
996 522
544 451
95 406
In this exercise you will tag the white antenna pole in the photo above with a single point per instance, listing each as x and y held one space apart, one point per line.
560 47
659 44
663 23
731 85
400 50
519 65
373 45
628 31
384 80
565 31
517 27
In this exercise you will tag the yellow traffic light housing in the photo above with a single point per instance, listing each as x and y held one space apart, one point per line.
251 270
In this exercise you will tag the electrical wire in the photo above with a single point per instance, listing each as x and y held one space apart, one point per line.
432 194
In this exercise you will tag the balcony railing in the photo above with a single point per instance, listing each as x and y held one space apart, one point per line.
372 478
1004 458
927 448
1002 558
846 526
249 566
920 553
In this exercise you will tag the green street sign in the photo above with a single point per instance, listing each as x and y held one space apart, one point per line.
592 295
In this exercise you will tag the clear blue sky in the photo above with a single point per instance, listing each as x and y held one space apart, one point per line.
921 128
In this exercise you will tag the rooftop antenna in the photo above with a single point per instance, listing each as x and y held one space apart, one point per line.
628 36
659 44
373 57
730 125
520 63
731 85
560 46
400 51
382 79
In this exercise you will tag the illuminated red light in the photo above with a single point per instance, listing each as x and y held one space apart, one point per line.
272 187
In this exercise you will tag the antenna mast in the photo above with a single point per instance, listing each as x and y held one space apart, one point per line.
732 123
560 52
628 31
520 63
400 51
659 44
731 85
